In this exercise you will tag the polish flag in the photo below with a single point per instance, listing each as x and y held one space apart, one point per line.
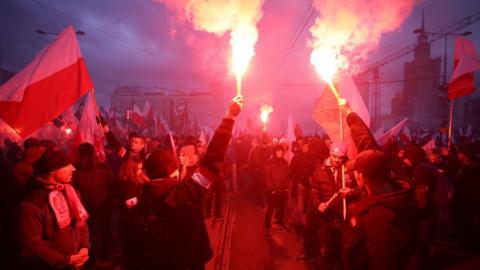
462 82
327 114
137 117
290 138
147 110
89 131
46 87
391 133
429 146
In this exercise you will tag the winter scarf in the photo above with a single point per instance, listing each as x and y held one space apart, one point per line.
66 205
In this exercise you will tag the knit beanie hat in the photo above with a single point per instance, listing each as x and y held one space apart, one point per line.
338 148
160 164
373 164
50 161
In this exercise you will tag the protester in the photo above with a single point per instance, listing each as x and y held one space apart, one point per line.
172 234
385 218
53 231
276 182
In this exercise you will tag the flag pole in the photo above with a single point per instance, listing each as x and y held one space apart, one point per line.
96 109
342 137
336 93
450 124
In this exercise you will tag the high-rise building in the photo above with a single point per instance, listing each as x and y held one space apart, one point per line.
422 101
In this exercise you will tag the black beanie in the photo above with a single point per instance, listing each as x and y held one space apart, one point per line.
50 161
373 164
160 164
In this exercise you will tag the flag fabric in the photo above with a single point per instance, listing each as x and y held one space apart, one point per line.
137 117
429 146
466 62
298 131
173 146
348 90
78 112
392 133
112 115
120 128
290 138
379 133
89 131
405 135
327 114
46 87
147 110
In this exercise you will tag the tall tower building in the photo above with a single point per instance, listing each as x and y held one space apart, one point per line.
421 87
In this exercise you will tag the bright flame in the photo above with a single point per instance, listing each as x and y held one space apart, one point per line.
265 110
238 18
242 41
326 62
346 31
68 131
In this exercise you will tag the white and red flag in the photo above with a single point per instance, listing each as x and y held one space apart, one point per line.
147 110
46 87
429 146
290 138
89 131
392 133
137 117
467 61
327 114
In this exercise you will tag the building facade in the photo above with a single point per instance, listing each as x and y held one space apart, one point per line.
177 108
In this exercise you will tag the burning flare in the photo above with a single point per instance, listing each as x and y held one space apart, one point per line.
265 111
239 18
346 31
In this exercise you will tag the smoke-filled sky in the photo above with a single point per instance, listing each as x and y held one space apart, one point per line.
158 43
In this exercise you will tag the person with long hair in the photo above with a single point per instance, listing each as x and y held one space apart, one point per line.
132 178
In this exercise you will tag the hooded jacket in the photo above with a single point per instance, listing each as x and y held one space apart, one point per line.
386 224
387 228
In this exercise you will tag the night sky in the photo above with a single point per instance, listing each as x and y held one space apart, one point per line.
141 42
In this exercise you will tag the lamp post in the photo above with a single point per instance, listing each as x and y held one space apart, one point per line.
445 86
41 32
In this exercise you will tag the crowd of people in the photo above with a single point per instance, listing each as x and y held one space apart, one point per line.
144 206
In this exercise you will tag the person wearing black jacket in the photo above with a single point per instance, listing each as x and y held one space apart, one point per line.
171 230
276 188
385 219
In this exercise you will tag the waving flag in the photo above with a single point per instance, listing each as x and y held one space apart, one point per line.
327 114
137 117
391 133
462 82
89 131
147 110
46 87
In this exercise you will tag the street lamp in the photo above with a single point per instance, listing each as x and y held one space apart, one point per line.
41 32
